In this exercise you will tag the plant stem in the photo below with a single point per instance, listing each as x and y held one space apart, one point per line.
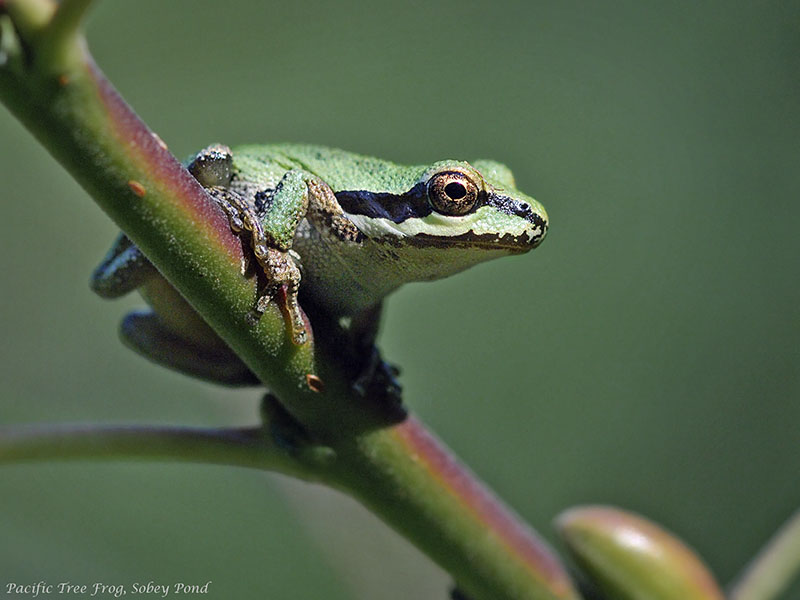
245 447
773 569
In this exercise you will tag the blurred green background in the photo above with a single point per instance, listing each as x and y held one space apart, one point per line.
647 355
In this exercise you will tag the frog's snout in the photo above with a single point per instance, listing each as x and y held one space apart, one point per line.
537 229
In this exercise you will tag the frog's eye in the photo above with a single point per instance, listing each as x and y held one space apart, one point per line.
452 193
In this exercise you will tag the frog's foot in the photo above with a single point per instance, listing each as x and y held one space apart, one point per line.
147 334
457 594
277 264
291 437
123 270
281 270
378 379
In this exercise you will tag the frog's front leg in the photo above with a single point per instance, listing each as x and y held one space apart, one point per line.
376 378
272 255
298 195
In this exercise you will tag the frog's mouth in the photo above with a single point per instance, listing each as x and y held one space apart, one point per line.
514 244
480 229
469 240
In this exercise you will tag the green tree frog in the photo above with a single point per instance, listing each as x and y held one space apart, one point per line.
351 228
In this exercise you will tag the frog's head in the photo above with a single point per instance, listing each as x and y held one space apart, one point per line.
453 204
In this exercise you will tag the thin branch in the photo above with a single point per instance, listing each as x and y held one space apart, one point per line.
68 18
245 447
30 16
773 569
62 31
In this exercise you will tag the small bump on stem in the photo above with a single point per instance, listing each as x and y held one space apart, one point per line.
137 188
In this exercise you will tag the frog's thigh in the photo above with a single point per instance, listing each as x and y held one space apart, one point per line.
122 270
146 333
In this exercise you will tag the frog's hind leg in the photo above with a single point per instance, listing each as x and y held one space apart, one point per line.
173 334
122 270
147 334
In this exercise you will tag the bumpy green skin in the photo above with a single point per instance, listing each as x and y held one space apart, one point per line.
341 170
361 227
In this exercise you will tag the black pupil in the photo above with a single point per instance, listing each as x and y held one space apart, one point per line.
455 190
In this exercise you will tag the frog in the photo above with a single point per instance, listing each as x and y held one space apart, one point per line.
328 228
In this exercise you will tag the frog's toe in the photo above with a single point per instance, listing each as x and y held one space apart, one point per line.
122 270
145 333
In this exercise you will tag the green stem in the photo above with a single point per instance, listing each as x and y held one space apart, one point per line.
773 569
60 36
392 464
246 447
29 17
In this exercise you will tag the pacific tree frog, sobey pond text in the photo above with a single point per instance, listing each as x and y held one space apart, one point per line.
353 228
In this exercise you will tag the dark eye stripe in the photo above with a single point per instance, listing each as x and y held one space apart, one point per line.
513 207
383 205
414 204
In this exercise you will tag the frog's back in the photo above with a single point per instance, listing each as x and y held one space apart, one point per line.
341 170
